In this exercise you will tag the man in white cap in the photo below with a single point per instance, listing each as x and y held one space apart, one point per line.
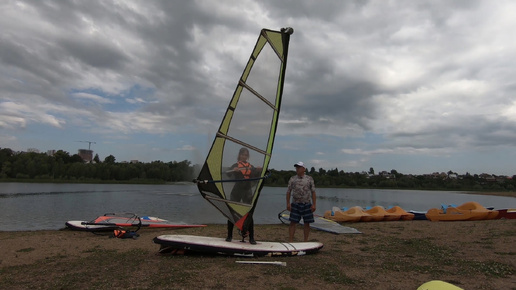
302 189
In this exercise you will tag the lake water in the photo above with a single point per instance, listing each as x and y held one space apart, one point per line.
32 206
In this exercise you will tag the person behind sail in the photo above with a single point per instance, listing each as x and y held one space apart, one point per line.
242 191
243 170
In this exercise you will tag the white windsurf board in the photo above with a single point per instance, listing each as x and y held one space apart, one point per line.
109 222
322 224
210 245
84 226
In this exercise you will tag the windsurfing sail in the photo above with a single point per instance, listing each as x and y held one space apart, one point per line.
227 180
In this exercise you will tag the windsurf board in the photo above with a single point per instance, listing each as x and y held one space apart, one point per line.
109 222
210 245
84 226
322 224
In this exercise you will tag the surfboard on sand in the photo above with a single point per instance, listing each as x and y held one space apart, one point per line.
219 246
321 224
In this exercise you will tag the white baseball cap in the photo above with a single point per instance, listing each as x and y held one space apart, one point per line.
299 164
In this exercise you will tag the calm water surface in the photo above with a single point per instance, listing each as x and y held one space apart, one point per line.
30 206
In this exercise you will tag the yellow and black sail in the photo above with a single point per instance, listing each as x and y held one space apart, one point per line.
249 126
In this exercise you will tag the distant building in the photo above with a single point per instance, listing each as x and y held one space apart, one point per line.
51 152
86 155
387 175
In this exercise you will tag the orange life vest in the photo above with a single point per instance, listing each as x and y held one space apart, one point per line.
123 234
245 169
119 233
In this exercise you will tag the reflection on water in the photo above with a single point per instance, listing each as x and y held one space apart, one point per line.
29 206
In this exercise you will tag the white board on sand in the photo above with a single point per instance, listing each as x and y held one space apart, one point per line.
82 226
321 224
210 245
109 223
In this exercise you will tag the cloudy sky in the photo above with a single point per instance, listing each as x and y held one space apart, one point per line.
415 86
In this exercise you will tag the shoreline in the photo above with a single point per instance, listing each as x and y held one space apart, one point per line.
154 182
496 193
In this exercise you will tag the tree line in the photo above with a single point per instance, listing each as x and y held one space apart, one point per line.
340 179
63 167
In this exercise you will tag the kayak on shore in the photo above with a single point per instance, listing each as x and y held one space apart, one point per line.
469 211
376 213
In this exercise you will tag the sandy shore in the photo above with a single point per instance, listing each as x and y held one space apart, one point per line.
388 255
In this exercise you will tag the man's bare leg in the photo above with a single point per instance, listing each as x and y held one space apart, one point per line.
291 231
306 231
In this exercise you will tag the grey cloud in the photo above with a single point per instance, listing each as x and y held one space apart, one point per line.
361 67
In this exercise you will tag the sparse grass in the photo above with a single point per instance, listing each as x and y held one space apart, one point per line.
508 233
331 274
25 250
496 269
506 253
475 255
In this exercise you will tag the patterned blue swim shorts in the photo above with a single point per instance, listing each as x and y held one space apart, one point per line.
298 210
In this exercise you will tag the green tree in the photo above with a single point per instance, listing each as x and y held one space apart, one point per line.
5 170
76 159
110 159
63 156
5 154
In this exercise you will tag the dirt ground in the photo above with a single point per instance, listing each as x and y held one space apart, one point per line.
387 255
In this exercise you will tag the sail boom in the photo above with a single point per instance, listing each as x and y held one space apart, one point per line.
232 180
227 201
